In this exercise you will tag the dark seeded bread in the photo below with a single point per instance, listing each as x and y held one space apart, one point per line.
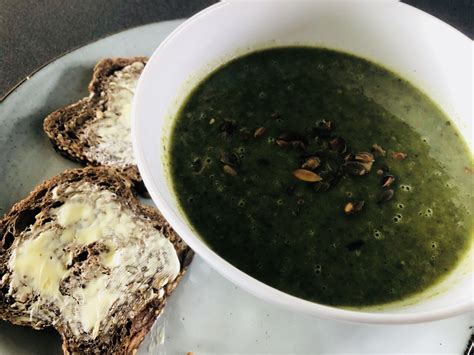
132 320
65 127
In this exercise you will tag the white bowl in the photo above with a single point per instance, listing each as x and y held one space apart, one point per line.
420 48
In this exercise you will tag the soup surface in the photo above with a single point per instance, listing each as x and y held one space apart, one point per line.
323 175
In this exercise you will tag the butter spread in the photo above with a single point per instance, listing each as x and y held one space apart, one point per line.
111 127
129 257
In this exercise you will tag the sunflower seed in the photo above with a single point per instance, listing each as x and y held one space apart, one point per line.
387 180
364 157
385 196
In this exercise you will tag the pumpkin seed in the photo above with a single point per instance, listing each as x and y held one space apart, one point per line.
306 175
353 207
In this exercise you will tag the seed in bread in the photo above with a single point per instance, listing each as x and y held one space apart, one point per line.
80 253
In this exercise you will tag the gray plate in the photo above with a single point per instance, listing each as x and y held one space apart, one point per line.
206 314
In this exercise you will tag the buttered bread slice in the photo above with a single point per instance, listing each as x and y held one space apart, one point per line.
81 254
96 129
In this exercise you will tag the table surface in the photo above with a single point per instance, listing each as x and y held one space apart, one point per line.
32 33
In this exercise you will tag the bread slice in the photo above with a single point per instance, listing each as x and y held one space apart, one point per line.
81 254
96 130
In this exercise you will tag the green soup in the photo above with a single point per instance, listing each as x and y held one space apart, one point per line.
323 175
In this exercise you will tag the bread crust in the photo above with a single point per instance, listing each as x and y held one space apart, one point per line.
64 125
125 336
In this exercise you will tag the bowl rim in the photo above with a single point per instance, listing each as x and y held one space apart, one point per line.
240 278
